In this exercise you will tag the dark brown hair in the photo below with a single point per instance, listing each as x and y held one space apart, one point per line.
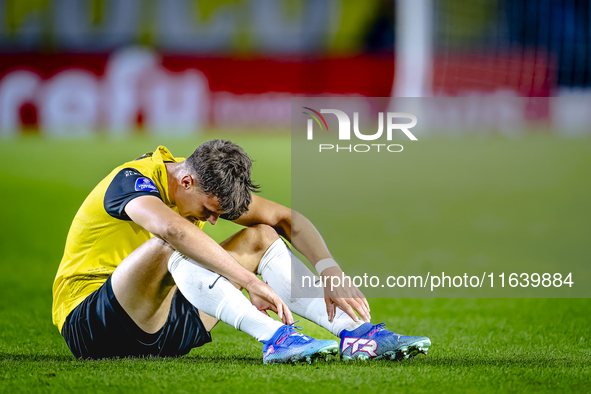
223 170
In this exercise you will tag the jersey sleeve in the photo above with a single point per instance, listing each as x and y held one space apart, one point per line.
128 184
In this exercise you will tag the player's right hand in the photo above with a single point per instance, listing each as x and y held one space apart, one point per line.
264 298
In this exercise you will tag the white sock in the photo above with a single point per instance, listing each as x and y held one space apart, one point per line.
217 297
276 269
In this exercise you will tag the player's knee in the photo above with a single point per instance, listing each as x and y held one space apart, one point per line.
262 236
159 248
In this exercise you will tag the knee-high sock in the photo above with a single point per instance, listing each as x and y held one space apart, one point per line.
276 269
217 297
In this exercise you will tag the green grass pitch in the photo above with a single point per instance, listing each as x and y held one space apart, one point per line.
479 345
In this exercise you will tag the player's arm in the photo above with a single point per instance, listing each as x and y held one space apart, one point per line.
302 234
153 215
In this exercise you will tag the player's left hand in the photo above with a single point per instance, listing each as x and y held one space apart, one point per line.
346 297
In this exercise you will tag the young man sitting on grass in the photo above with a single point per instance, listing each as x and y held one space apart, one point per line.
139 276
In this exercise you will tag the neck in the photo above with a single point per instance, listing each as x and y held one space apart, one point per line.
172 173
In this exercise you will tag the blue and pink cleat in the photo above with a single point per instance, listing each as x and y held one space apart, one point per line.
370 341
289 346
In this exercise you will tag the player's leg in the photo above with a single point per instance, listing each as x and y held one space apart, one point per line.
358 339
276 266
247 247
144 284
144 287
136 312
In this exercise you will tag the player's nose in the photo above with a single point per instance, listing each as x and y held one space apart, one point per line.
213 219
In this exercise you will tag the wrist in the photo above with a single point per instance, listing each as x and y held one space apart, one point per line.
249 281
326 266
332 271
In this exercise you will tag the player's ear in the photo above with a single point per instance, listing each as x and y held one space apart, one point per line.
187 181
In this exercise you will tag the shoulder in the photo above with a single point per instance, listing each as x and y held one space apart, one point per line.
127 184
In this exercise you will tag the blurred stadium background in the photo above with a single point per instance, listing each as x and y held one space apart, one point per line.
181 67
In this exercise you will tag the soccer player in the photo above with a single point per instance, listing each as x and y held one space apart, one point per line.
139 276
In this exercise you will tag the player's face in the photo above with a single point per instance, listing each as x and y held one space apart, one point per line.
199 206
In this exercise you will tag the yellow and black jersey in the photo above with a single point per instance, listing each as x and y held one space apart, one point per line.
102 235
